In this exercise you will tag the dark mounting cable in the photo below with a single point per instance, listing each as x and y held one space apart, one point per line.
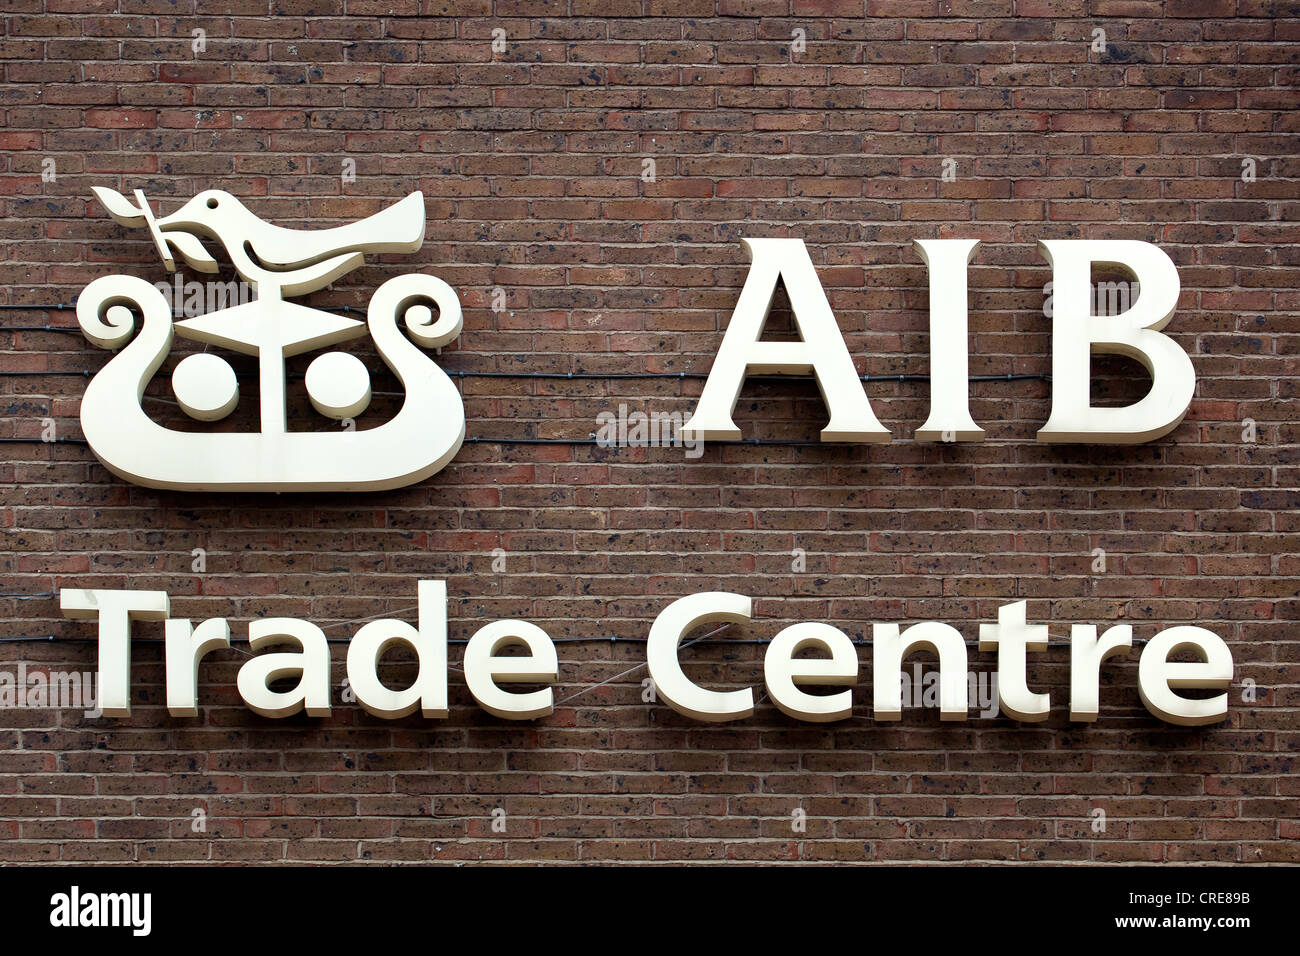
456 373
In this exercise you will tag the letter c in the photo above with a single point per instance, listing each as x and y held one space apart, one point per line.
672 624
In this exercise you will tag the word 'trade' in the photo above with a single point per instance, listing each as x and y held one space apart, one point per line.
308 661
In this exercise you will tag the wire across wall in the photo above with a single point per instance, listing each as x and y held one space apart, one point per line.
479 374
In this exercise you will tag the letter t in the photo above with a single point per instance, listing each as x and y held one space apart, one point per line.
115 611
1013 638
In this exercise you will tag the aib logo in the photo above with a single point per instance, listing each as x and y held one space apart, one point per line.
278 264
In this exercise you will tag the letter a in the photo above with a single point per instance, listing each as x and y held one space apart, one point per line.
821 352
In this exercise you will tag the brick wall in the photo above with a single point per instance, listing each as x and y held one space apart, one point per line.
532 161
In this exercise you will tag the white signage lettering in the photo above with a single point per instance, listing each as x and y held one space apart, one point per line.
367 647
1012 639
821 352
307 661
485 670
1077 335
278 264
671 683
1158 676
115 611
949 420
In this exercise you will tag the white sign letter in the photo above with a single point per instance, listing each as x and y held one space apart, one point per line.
115 610
1086 656
889 650
1077 335
429 690
1012 638
483 669
672 624
821 352
949 419
1157 675
783 672
311 665
185 646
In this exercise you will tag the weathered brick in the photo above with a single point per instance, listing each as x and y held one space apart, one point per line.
533 164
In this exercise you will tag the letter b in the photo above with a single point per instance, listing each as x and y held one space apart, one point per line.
1077 335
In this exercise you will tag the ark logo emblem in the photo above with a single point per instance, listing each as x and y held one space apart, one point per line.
278 264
